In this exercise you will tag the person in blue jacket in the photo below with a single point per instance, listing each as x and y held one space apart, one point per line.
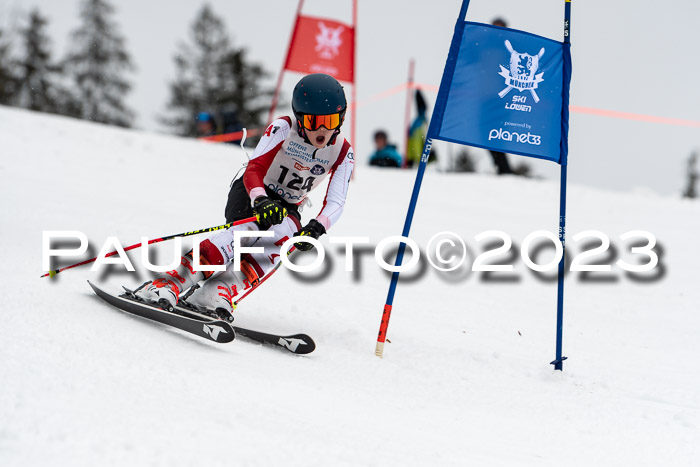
206 125
385 154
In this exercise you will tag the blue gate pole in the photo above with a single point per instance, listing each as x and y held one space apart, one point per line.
559 359
386 314
433 129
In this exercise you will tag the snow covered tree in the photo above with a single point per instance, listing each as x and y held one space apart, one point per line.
213 77
97 62
36 74
7 78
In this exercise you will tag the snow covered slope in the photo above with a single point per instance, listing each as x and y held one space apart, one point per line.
465 379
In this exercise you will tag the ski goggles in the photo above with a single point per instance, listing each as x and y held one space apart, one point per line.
314 122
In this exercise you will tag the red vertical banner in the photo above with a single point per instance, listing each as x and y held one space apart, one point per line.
322 46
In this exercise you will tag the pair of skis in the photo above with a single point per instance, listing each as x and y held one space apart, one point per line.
201 325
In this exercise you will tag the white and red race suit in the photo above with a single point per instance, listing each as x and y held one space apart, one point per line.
284 163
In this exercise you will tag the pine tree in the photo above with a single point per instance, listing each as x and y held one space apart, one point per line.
213 77
242 90
7 77
37 75
97 63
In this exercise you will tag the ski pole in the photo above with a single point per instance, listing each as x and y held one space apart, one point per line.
53 272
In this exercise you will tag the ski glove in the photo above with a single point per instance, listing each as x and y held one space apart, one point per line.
268 212
313 229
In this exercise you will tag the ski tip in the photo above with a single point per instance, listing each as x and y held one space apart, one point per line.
300 344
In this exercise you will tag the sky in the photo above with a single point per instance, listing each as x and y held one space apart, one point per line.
627 57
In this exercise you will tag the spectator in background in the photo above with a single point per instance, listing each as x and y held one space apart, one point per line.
417 134
500 160
206 126
230 122
385 154
691 192
500 22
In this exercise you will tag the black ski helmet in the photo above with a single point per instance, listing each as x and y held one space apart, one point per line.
318 94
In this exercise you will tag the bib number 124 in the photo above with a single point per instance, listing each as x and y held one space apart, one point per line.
297 182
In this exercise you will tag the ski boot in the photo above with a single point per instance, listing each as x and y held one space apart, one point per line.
213 298
164 291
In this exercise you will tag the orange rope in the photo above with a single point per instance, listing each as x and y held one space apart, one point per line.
573 108
226 137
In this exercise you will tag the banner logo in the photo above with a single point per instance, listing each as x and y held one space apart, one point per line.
512 136
522 74
291 343
328 41
214 331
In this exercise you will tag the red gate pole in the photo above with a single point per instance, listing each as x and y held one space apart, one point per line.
354 78
275 98
409 94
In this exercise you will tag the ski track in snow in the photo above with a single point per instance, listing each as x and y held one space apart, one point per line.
464 381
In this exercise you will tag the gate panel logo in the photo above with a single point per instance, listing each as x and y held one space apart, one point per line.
328 41
522 72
